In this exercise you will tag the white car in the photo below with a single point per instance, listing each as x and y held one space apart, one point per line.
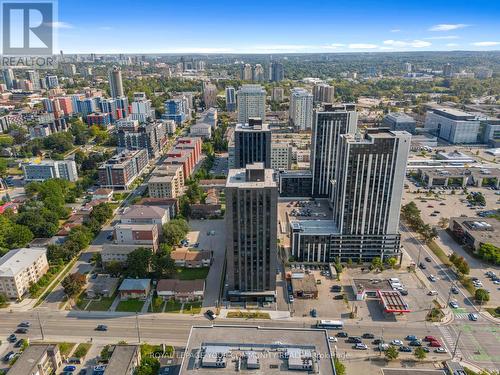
440 350
432 278
332 339
454 304
397 342
361 347
290 298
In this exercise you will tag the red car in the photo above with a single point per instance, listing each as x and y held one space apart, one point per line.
430 338
435 344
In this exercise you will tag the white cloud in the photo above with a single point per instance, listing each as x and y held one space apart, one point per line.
448 26
60 25
411 43
395 30
452 45
442 37
486 44
337 45
362 46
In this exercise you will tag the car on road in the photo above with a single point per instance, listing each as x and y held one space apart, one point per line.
24 324
472 317
428 259
454 290
368 336
342 334
405 349
354 340
440 350
422 266
332 339
7 357
454 304
12 338
101 327
69 368
211 315
314 313
432 278
23 330
360 346
397 342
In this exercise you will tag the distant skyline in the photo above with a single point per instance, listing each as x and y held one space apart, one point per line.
222 26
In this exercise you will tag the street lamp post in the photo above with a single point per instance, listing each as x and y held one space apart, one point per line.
456 345
40 324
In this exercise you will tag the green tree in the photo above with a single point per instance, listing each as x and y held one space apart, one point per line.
339 367
114 268
3 167
164 266
3 300
490 253
420 353
392 261
377 263
391 353
481 296
102 213
139 263
148 366
174 231
73 284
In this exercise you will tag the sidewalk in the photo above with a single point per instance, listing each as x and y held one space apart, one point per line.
275 315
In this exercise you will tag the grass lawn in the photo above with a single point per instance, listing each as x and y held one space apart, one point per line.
439 253
248 315
192 273
192 308
81 350
65 348
156 305
101 305
172 307
131 305
494 312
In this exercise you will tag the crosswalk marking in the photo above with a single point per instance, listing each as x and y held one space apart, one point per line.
449 340
463 316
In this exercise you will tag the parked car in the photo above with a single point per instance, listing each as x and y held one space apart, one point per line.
342 334
454 304
432 293
432 278
429 338
354 340
368 336
332 339
12 338
314 313
211 315
25 324
411 337
69 368
405 349
415 343
397 342
454 290
440 350
377 341
7 357
428 259
22 330
422 266
435 344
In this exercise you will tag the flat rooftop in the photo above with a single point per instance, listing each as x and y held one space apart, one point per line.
121 360
484 229
462 172
316 227
29 359
18 260
238 178
265 344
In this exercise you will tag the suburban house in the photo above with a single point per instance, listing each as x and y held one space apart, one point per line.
191 259
180 290
134 289
142 235
102 286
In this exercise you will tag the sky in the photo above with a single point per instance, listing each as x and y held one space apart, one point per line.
276 26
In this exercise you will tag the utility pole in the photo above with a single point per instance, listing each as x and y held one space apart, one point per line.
419 252
137 326
456 345
40 324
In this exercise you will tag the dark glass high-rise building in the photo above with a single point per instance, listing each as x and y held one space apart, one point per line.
277 72
251 233
252 143
329 123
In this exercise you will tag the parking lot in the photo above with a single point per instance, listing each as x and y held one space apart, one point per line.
210 234
325 305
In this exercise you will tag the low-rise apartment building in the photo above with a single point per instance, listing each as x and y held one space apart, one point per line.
21 268
124 360
122 169
167 182
142 235
45 169
37 359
